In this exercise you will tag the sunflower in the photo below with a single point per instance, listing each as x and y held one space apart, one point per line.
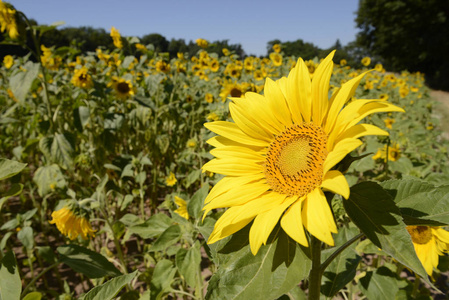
71 221
366 61
394 153
429 242
8 20
122 87
170 180
8 61
276 58
279 153
82 79
182 207
116 38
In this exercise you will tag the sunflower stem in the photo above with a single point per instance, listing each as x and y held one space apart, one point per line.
315 272
338 251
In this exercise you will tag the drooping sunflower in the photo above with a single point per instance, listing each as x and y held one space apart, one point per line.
116 38
8 20
278 155
72 221
429 243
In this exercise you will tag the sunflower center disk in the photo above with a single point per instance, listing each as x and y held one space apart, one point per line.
294 161
420 234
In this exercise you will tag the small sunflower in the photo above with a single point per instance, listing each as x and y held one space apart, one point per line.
389 123
279 153
429 243
366 61
276 58
122 87
8 61
182 207
277 48
394 153
82 79
170 180
71 221
202 43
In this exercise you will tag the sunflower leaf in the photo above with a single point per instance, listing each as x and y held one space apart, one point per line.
420 203
276 269
381 284
373 210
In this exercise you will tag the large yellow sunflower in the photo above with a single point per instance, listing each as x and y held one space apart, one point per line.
278 154
429 242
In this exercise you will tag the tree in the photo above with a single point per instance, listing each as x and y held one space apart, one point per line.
408 34
159 42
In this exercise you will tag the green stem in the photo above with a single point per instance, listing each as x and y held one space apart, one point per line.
338 251
37 277
315 272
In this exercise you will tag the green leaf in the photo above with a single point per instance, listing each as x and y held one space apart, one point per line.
343 268
62 150
10 284
162 277
15 190
373 210
26 236
169 237
48 178
152 227
188 263
81 117
9 168
33 296
109 289
21 81
86 261
276 269
379 285
420 203
196 202
192 177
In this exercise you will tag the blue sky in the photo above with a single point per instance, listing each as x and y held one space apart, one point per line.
249 23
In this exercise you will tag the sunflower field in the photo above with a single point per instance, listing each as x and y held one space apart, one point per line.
216 176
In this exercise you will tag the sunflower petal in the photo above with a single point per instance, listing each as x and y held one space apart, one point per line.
340 150
232 167
335 182
299 92
264 224
233 132
320 89
291 222
317 217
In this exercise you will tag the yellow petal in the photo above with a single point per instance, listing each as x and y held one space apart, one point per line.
317 217
346 91
235 197
232 167
264 224
236 217
248 125
291 222
233 132
320 89
340 150
299 92
335 182
277 102
360 130
237 152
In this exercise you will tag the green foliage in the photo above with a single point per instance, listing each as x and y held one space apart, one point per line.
276 269
10 285
402 33
109 289
88 262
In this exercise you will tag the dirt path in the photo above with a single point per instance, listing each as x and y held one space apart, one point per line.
443 98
